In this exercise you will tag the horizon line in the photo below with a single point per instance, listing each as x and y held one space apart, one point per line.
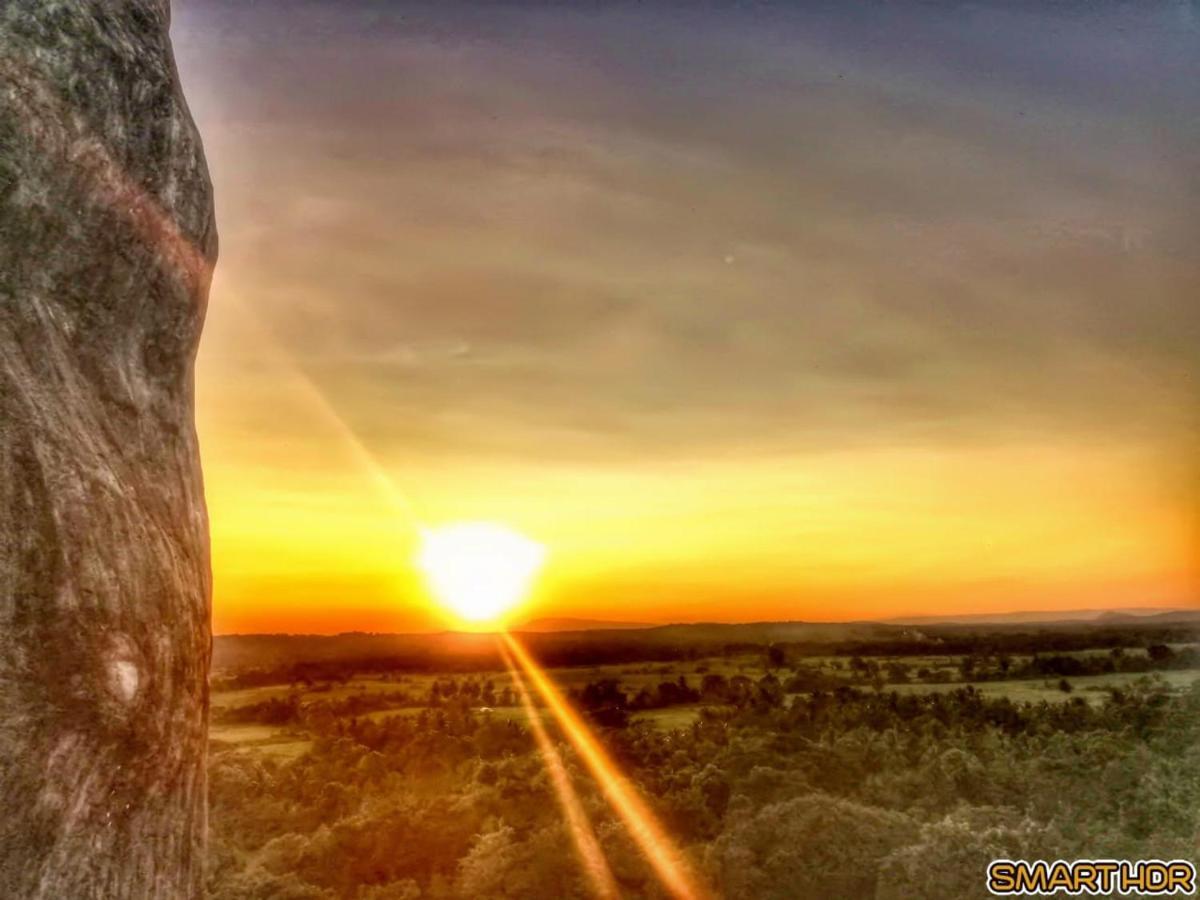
618 625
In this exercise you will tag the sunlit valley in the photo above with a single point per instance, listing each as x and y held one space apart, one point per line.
784 760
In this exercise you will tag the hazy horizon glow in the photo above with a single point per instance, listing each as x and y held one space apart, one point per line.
745 312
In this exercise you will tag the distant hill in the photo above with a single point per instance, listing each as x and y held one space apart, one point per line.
1167 617
1148 615
770 632
568 641
599 643
567 623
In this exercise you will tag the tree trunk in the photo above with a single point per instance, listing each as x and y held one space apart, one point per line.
106 247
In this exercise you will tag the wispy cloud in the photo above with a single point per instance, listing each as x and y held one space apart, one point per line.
695 231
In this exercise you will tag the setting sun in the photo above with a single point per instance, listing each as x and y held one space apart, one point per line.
478 570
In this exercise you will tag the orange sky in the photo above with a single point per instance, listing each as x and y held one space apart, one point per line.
749 315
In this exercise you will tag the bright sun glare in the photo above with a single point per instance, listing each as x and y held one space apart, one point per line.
478 570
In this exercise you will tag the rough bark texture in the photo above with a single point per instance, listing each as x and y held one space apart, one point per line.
106 247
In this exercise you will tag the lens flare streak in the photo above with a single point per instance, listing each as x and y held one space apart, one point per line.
659 849
588 847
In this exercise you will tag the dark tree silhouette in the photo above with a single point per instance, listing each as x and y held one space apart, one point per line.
106 247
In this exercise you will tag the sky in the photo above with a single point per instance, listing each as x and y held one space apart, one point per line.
745 311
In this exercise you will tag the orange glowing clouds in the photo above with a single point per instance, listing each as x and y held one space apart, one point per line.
762 536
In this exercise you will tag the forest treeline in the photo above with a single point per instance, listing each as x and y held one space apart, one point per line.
844 793
610 704
260 660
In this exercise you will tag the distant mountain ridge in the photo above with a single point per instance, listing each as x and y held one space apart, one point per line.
594 642
1161 615
569 623
467 648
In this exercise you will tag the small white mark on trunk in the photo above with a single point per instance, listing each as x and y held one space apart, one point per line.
125 679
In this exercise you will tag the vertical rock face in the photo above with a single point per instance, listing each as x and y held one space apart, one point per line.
106 246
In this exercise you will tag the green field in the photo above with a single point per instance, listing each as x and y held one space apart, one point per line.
264 740
405 694
671 718
1092 688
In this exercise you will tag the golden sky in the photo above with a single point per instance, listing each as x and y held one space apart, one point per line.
745 313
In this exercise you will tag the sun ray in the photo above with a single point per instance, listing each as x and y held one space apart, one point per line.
590 854
659 849
108 183
401 503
